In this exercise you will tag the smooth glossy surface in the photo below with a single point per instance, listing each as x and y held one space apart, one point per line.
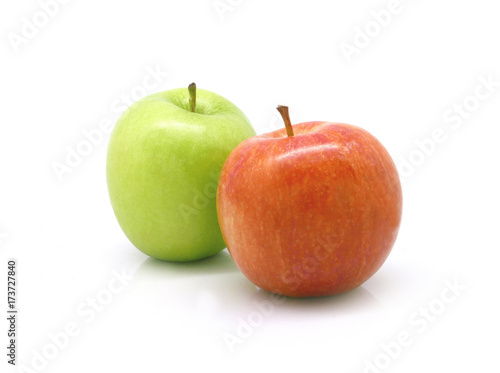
313 214
163 166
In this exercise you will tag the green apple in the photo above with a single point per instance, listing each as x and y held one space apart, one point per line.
164 159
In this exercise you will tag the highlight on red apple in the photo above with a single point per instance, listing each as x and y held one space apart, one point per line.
309 210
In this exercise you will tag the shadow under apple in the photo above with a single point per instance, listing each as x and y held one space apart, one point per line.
219 280
357 300
220 263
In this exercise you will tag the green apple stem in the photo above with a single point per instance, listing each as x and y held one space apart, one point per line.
286 118
192 97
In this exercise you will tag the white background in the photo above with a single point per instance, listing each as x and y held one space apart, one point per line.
80 66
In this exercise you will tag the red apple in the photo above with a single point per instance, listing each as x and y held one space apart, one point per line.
310 210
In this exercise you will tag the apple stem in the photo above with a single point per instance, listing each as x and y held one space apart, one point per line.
192 97
286 118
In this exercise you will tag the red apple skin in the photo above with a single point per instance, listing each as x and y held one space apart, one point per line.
313 214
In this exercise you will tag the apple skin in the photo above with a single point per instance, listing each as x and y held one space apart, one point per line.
313 214
163 165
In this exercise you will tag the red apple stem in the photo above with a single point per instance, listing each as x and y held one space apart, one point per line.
286 118
192 97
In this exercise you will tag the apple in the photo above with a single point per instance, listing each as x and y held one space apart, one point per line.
310 210
164 159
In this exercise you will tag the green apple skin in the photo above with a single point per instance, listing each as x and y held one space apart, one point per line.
163 166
